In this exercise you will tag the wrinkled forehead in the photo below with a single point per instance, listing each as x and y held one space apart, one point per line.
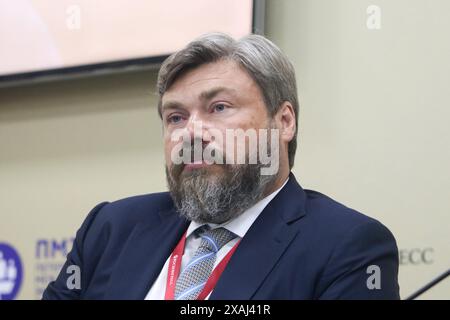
218 78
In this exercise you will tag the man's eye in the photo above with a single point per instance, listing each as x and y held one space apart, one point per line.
219 107
174 119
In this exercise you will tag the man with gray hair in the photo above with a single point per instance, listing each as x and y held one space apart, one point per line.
235 223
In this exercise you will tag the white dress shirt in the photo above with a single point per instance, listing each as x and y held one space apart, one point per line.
238 226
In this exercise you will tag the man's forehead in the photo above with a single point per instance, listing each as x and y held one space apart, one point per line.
208 80
212 73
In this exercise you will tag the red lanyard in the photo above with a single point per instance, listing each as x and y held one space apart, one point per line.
175 266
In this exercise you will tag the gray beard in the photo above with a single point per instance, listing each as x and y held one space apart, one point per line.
203 197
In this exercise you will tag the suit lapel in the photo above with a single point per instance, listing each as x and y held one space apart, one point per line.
144 255
263 245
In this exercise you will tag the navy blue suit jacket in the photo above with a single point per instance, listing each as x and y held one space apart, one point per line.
303 245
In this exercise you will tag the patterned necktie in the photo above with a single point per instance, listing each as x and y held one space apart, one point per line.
194 276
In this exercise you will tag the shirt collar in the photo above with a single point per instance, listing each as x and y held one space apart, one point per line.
243 222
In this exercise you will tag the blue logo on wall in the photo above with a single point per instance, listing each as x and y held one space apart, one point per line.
11 272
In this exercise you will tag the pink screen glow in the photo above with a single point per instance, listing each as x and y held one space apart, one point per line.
39 35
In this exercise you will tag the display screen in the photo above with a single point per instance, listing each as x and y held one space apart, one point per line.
43 35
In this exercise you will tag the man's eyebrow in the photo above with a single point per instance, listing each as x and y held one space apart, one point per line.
171 105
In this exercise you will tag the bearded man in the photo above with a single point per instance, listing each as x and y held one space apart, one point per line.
235 223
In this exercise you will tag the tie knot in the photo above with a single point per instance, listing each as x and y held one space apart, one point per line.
215 239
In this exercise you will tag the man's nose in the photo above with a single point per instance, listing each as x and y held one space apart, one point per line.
197 128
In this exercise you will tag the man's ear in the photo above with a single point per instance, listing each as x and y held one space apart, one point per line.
285 119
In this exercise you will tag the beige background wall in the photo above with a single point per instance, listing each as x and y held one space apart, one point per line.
374 133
